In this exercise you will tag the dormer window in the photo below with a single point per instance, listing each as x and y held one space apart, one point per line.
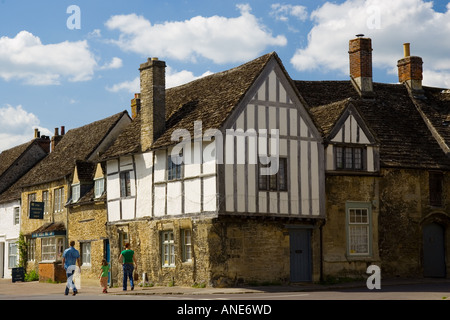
349 158
99 187
75 192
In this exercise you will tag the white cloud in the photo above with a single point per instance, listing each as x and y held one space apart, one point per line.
283 11
389 24
115 63
217 38
17 126
26 58
173 79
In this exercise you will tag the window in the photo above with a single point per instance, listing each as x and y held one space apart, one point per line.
99 187
31 251
174 167
46 200
123 239
187 245
52 248
75 192
350 158
31 198
16 215
435 181
274 182
13 255
168 249
358 228
86 253
125 185
58 206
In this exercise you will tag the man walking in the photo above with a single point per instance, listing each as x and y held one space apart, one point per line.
69 258
127 258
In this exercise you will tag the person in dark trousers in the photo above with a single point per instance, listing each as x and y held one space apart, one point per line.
69 258
128 263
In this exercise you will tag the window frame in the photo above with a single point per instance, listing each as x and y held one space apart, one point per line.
46 200
58 199
58 248
341 157
186 241
16 216
167 249
31 249
76 192
125 183
13 254
436 188
174 171
274 182
351 238
99 190
85 253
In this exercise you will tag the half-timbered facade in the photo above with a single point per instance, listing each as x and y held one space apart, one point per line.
199 203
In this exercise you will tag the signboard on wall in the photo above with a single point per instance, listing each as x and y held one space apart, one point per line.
36 210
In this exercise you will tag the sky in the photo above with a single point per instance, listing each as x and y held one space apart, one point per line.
69 63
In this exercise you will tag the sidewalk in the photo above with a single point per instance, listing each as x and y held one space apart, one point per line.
7 287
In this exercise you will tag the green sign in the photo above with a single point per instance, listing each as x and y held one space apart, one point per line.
36 210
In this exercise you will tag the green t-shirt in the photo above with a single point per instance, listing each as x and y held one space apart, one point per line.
127 256
105 270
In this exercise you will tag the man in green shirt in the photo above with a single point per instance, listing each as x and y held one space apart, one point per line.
128 262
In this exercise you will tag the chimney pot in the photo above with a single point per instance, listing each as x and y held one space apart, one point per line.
63 130
406 50
36 133
56 132
410 70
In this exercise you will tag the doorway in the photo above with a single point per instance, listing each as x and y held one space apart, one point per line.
300 255
434 251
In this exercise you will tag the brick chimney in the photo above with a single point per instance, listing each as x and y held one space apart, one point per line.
135 105
43 141
57 137
410 70
153 101
360 54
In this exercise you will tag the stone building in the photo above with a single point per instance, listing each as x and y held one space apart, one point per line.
387 178
189 182
50 182
14 163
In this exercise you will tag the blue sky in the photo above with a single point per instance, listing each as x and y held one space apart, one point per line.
52 74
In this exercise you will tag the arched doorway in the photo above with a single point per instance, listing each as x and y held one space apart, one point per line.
434 250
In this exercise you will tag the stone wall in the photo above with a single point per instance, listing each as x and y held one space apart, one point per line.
226 251
87 224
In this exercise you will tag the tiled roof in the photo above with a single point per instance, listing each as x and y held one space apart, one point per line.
405 140
210 99
76 144
8 157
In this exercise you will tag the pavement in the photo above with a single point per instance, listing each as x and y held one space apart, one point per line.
7 287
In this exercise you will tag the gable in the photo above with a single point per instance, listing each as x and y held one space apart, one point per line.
351 128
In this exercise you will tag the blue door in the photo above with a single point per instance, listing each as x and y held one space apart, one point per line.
107 255
433 251
300 255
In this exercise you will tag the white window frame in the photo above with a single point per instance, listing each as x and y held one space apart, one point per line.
99 187
186 236
13 254
31 251
55 248
59 196
16 215
76 192
359 229
168 248
85 254
46 200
